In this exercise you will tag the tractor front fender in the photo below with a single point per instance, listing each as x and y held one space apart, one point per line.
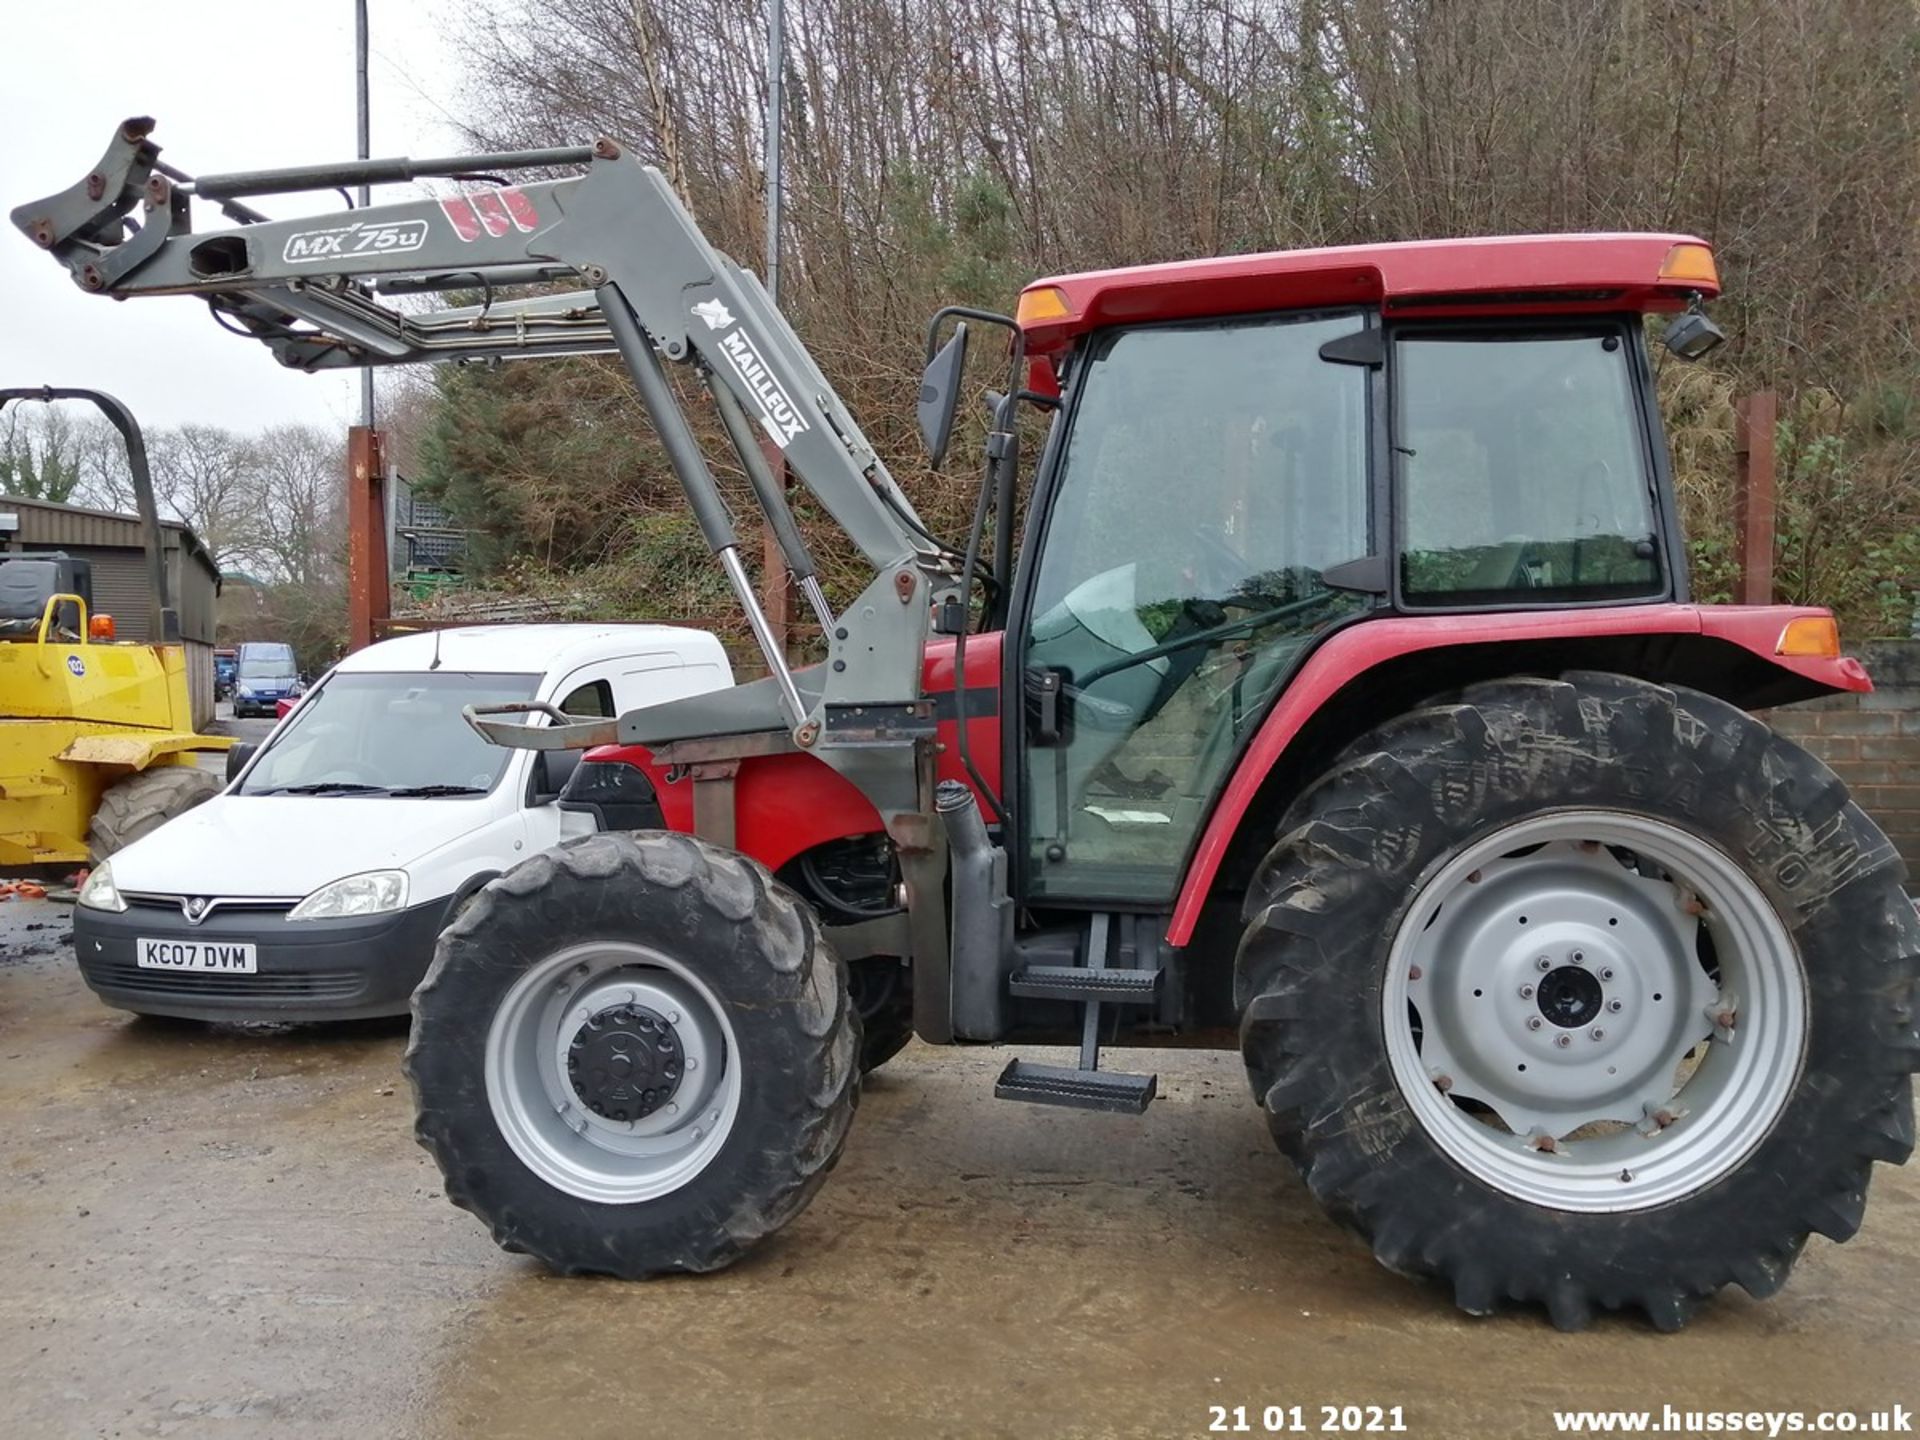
783 803
1365 673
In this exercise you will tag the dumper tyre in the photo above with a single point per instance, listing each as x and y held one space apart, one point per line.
634 1054
143 802
1583 992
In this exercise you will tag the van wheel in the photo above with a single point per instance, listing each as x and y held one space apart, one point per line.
1587 993
634 1053
142 803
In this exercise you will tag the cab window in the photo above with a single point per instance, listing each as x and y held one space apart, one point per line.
1522 471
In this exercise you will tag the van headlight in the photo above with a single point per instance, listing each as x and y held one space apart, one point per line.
100 893
375 893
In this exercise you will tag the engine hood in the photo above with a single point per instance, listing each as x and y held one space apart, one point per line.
287 846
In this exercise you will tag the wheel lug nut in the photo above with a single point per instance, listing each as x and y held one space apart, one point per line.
1579 957
1563 1040
1597 1033
1543 964
1526 992
1615 1006
1606 974
1534 1022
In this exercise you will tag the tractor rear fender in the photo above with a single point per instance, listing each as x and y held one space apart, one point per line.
1371 670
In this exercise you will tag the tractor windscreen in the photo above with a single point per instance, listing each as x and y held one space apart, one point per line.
1522 471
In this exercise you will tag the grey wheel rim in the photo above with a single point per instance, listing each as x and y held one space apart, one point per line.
546 1112
1552 1020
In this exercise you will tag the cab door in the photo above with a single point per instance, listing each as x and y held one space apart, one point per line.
1210 475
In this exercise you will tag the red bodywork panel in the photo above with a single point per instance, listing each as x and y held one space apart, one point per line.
1358 648
785 804
1559 274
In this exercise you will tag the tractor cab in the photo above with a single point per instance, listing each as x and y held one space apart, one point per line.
1249 456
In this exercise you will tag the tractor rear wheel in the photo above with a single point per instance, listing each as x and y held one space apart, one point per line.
1584 992
143 802
633 1054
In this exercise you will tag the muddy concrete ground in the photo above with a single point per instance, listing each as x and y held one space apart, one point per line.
221 1233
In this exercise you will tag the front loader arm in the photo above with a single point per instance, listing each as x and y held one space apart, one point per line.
343 289
321 291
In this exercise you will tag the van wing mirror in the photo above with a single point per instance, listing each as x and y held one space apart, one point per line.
940 394
237 758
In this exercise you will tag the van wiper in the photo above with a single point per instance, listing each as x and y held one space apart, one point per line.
323 787
424 792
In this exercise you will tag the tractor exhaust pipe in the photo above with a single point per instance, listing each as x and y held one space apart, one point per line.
982 916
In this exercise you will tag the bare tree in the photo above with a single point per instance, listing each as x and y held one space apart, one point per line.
200 473
39 452
295 474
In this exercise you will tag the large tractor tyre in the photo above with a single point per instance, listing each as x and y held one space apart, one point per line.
634 1054
1583 992
883 994
143 802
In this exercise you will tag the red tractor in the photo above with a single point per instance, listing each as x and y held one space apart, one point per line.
1344 700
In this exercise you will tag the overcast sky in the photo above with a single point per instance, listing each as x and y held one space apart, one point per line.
234 87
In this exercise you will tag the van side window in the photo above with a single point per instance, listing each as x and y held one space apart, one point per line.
591 701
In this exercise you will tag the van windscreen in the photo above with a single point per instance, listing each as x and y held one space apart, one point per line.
387 734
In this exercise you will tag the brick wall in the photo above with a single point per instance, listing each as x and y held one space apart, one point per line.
1872 741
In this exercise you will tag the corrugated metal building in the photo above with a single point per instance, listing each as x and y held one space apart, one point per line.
117 551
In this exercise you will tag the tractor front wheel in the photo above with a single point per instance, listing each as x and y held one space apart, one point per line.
633 1054
1589 993
143 802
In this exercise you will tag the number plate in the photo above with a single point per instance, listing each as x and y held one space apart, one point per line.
218 956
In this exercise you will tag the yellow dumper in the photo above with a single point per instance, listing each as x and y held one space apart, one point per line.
96 738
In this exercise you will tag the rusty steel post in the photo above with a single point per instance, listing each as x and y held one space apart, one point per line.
1756 419
368 600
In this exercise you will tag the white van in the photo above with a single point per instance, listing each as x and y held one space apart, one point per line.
314 886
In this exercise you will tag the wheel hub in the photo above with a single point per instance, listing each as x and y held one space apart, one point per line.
1570 997
1559 987
625 1062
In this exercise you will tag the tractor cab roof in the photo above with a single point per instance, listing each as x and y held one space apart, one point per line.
1500 275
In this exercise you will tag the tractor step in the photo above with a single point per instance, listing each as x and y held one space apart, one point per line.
1076 982
1077 1089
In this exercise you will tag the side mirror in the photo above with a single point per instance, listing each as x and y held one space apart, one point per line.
237 758
940 394
551 771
